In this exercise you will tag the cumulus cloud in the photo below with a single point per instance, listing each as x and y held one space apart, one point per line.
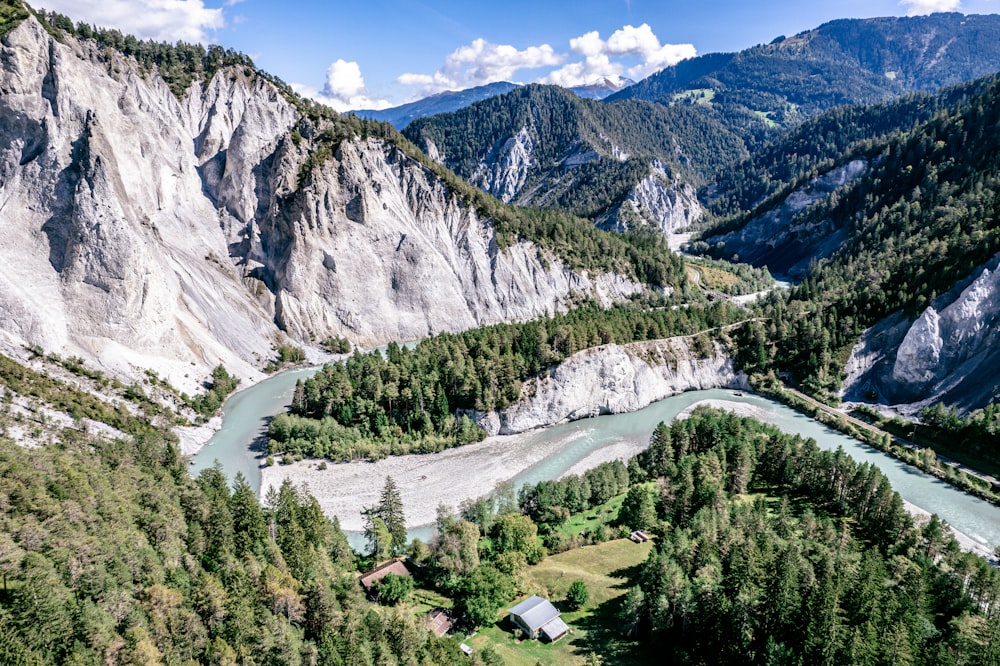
345 89
482 62
920 7
162 20
606 59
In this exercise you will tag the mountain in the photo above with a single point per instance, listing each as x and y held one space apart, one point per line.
638 158
452 100
178 225
601 88
888 216
625 164
847 61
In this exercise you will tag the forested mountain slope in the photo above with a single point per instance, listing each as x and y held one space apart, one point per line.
847 61
894 210
111 553
623 164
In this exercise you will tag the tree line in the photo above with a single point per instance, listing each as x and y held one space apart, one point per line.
417 400
111 553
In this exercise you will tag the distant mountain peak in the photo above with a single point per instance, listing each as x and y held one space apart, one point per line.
602 87
442 102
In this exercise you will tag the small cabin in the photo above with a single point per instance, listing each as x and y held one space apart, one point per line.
538 618
639 536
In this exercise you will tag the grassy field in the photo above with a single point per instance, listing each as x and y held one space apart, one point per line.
712 277
587 521
699 96
606 569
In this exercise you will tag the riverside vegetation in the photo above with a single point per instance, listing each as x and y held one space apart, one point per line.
371 405
767 550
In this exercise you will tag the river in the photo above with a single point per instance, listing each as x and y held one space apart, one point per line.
427 480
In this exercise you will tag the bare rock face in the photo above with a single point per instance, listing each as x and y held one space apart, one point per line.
504 172
949 354
376 249
614 379
142 231
661 199
781 240
919 355
113 250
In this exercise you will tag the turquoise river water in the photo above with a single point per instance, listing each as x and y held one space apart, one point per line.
239 448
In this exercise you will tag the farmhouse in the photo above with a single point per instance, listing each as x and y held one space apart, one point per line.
391 567
539 618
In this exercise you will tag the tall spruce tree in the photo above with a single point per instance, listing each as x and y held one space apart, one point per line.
390 510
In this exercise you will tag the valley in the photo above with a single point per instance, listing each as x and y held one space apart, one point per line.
575 335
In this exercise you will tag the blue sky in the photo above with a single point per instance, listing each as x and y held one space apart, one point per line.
377 53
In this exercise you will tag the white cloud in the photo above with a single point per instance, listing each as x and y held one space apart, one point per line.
345 89
920 7
344 80
162 20
605 59
581 73
589 44
482 62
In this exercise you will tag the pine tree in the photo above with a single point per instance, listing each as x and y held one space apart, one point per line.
390 510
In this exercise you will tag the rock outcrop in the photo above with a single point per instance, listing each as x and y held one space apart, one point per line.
614 379
780 240
660 199
145 231
376 249
949 354
504 172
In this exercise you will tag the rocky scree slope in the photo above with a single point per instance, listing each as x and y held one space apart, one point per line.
145 230
949 354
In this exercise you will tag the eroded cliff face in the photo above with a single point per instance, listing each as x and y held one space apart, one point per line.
142 231
781 240
112 248
504 172
949 354
374 248
660 199
614 379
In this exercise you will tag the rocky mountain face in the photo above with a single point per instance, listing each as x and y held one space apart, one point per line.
949 354
141 230
661 200
622 165
783 240
614 379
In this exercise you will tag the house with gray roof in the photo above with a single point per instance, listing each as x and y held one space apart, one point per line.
538 618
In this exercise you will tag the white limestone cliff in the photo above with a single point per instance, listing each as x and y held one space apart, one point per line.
139 230
661 199
505 170
949 353
614 379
